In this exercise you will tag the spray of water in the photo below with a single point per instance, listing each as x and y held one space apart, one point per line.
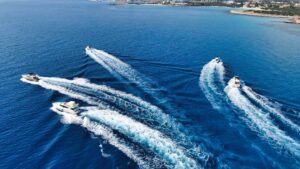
211 72
260 121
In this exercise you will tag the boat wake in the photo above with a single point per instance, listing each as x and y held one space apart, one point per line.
133 152
270 107
260 120
106 97
104 122
63 90
118 68
167 150
114 100
261 114
211 78
122 70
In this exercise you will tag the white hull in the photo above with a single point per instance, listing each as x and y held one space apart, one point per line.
59 109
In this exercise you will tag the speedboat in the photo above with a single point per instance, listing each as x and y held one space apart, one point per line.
70 107
217 59
87 48
236 81
31 77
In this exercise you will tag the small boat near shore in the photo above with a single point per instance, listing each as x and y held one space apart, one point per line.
293 20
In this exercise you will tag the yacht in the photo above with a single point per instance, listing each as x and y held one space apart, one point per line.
67 107
217 59
236 81
87 48
31 77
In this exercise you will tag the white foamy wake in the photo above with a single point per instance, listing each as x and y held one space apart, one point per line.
270 107
167 150
117 67
68 92
122 70
221 72
96 94
210 73
260 121
105 155
142 160
86 93
101 94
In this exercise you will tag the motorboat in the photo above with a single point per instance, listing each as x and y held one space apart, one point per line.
87 48
236 81
70 107
217 59
31 77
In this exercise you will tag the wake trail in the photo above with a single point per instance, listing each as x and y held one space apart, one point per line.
270 107
140 109
260 121
123 100
122 70
103 96
69 92
138 156
211 72
167 150
212 83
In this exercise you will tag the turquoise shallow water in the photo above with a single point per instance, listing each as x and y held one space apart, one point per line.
168 46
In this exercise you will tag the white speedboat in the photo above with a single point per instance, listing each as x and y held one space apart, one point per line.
236 81
67 107
87 48
31 77
217 59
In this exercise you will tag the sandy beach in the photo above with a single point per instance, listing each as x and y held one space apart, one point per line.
291 19
294 20
251 13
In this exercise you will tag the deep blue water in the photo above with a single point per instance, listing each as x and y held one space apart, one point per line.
170 46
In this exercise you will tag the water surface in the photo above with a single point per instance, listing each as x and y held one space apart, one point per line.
170 46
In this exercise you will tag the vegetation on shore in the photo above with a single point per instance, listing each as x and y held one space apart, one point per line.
201 3
277 10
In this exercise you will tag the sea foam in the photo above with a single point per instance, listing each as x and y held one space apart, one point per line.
260 121
152 139
210 73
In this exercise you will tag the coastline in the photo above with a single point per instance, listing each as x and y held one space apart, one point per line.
293 21
290 19
251 13
179 5
238 11
184 4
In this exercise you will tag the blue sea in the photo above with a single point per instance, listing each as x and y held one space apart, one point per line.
150 93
